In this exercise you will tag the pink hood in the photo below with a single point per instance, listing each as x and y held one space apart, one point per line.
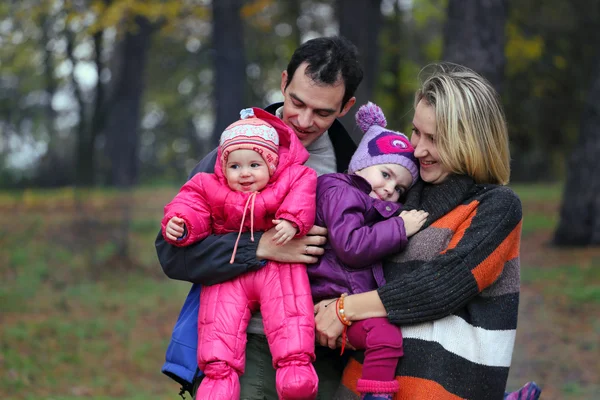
291 150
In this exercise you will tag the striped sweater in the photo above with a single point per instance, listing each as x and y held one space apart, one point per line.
454 291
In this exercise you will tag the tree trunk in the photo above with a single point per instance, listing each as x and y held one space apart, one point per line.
46 23
579 223
474 36
86 146
367 13
122 133
81 155
229 64
122 129
394 29
54 168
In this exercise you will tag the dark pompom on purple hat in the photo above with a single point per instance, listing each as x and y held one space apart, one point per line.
380 145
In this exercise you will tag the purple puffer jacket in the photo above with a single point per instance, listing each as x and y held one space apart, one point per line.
361 232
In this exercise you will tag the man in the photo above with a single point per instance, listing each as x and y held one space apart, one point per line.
318 87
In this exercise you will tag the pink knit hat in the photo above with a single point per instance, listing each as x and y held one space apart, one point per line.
251 133
380 145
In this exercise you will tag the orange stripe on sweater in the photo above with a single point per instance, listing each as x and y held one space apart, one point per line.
456 216
352 374
458 221
490 268
421 389
410 388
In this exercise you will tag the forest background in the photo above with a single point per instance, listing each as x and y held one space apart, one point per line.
106 105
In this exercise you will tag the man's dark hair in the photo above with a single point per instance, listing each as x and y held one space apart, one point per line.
329 59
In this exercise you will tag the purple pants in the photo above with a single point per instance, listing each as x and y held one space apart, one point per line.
382 342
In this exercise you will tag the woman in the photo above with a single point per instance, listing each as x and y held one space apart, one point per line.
454 290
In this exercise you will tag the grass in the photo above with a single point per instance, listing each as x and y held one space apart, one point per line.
557 338
580 284
79 320
530 193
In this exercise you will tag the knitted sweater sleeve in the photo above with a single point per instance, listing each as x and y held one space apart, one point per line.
485 236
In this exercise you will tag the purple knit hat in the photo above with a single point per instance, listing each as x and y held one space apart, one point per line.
380 145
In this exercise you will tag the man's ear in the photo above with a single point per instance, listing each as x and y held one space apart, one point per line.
347 107
284 78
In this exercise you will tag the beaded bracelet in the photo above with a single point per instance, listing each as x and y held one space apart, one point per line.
341 313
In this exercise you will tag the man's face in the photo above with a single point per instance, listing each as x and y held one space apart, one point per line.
309 108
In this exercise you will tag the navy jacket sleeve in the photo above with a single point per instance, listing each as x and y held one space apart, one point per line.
207 262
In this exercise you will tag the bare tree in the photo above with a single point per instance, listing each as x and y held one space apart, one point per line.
579 223
122 127
366 39
229 64
474 36
54 168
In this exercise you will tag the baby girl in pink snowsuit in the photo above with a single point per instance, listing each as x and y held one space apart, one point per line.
259 182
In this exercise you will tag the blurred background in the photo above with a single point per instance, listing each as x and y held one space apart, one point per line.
106 106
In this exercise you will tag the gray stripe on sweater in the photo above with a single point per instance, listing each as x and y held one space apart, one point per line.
508 282
426 245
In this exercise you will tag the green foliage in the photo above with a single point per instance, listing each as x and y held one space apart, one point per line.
549 62
521 51
429 12
548 47
433 49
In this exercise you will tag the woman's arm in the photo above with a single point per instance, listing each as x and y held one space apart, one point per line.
356 308
484 243
474 259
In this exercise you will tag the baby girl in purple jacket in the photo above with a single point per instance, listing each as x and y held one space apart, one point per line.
362 215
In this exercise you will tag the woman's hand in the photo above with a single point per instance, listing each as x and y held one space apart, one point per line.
356 306
328 326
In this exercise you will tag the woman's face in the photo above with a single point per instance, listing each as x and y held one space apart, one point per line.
423 139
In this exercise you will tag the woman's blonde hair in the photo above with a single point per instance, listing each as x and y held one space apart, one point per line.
471 132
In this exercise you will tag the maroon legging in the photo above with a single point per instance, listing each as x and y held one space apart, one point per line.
382 342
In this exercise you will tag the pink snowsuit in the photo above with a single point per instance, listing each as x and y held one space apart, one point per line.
281 291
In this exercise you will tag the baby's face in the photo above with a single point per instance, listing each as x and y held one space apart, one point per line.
388 181
246 171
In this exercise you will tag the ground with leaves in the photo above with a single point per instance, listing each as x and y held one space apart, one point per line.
79 320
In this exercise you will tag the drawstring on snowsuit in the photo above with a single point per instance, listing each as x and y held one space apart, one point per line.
253 197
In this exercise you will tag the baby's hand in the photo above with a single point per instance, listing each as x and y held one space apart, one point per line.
285 231
175 228
413 221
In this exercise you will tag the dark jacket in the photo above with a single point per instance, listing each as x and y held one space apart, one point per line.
207 263
361 232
